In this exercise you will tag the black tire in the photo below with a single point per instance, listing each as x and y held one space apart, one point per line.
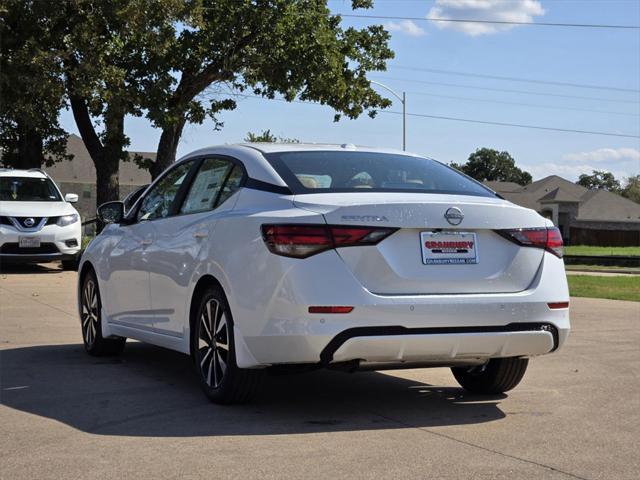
499 375
91 322
214 355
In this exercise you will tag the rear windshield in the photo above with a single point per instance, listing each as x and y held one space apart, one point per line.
331 171
28 189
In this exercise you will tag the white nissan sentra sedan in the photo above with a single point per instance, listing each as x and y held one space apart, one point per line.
293 256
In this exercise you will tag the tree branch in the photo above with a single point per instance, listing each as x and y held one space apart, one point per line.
86 128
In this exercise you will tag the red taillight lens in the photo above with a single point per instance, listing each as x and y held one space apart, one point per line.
330 309
301 241
549 239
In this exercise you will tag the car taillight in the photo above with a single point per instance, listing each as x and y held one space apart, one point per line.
301 241
549 239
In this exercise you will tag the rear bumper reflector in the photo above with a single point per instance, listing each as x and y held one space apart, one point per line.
558 305
330 309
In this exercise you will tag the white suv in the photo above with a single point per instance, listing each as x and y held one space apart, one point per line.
36 224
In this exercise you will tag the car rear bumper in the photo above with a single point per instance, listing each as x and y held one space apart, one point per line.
388 330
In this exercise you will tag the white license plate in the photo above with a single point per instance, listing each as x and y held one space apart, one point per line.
448 248
28 242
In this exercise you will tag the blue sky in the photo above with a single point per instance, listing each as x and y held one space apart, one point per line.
603 57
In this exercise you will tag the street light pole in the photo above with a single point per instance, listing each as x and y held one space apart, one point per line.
403 99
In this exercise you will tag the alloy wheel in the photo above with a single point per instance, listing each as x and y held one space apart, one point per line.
89 312
213 343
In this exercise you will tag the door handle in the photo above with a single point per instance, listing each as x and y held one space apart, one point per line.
146 243
200 235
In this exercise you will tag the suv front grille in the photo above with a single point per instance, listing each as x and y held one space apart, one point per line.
14 249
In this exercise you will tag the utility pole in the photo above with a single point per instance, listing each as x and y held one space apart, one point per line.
403 99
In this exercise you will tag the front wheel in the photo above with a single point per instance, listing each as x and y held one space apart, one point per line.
91 321
496 376
214 353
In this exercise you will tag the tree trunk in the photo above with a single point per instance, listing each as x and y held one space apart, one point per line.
107 180
30 146
167 147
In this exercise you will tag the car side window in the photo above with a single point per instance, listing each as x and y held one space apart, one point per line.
157 202
233 183
206 187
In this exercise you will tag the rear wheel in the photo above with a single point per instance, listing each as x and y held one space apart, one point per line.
91 321
213 351
496 376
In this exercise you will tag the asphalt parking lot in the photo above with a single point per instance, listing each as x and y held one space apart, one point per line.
67 415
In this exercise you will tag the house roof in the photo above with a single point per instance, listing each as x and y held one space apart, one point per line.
559 195
593 205
606 206
82 170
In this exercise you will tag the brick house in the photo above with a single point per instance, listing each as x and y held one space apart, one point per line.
79 176
585 217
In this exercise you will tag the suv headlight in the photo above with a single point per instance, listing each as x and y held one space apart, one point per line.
67 220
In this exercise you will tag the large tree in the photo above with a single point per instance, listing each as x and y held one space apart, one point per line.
600 180
267 137
487 164
110 51
293 48
631 189
31 85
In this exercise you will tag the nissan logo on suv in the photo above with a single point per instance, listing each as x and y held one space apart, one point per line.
454 216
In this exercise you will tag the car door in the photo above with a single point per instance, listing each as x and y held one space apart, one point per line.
128 291
182 239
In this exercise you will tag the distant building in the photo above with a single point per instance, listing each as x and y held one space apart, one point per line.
585 217
79 176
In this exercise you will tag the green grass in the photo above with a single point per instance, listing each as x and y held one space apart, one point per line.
596 251
602 268
614 288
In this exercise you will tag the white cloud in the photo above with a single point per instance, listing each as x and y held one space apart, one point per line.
622 162
603 155
408 27
500 10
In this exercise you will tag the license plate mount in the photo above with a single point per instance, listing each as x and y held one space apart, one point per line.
449 248
29 242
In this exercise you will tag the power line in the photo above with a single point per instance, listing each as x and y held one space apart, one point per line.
496 22
505 124
517 79
523 104
525 92
467 120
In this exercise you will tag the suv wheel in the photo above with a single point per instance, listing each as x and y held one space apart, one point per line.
496 376
213 352
91 321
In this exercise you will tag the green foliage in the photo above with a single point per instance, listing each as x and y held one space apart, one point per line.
601 251
31 84
632 188
486 164
268 137
600 180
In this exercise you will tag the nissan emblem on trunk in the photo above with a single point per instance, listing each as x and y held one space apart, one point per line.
454 216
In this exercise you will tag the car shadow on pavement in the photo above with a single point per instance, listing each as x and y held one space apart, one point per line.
29 268
149 391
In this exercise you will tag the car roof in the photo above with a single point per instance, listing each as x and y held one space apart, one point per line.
257 166
12 172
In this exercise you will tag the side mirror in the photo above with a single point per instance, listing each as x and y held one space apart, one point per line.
111 212
71 198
